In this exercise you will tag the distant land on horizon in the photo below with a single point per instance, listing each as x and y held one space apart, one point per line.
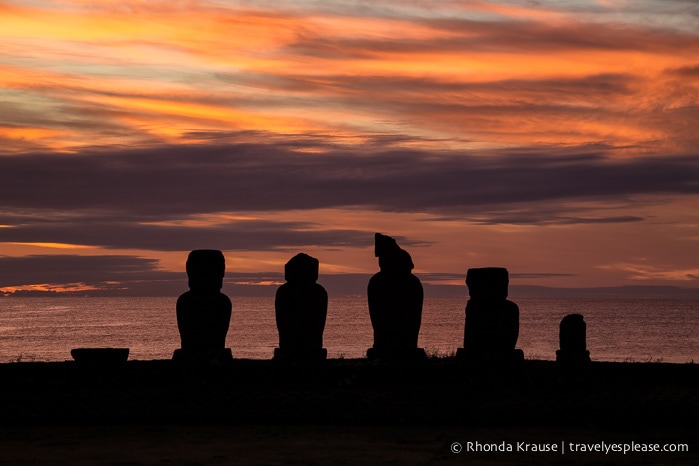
358 288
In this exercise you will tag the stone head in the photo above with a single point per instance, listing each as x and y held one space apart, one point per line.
487 283
206 269
301 268
392 258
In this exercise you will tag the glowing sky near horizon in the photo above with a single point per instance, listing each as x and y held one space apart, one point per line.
557 139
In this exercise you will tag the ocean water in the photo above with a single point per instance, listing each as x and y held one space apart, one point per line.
45 329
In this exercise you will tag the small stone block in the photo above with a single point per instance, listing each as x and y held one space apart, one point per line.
303 356
203 358
100 357
405 355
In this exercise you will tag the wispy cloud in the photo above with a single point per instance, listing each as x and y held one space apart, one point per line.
655 273
240 235
487 73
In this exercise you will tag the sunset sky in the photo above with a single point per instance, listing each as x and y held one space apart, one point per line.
559 139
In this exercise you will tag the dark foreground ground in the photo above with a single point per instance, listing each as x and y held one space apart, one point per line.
347 412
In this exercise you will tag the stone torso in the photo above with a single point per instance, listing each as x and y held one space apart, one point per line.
203 320
301 310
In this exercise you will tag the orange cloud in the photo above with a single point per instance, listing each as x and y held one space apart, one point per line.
47 287
154 71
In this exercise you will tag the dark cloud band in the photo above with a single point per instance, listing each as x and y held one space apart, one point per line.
179 181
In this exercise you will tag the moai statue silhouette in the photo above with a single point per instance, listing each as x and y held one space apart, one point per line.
301 307
395 304
573 341
492 321
203 312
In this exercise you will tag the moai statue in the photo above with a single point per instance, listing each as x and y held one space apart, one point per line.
203 312
573 337
492 321
395 304
301 306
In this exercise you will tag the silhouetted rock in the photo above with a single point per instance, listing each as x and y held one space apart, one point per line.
395 303
100 358
573 336
301 306
204 313
492 321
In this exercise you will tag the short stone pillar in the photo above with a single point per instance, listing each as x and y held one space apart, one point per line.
100 358
203 312
301 307
573 341
395 298
492 321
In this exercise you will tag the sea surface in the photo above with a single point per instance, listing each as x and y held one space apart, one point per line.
45 329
